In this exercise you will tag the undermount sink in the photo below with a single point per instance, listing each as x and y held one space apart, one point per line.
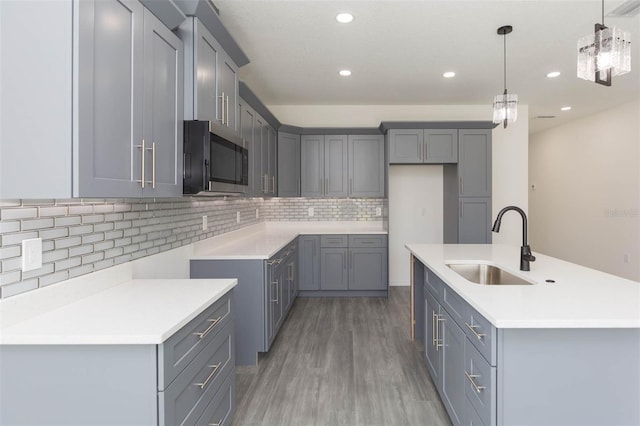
482 273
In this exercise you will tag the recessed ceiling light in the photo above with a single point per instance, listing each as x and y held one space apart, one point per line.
449 74
553 74
345 73
344 18
565 108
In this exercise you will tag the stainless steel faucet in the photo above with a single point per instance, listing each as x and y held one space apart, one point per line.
525 250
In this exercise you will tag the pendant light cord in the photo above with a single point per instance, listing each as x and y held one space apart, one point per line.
504 36
603 13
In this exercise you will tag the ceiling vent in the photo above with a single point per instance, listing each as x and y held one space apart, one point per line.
546 116
628 8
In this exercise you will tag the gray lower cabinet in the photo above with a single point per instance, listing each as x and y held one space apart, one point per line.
263 297
112 98
288 165
512 376
309 262
185 380
349 265
423 146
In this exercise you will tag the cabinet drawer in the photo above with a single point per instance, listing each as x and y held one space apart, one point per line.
220 409
334 241
181 348
455 305
433 284
186 398
364 241
481 334
480 387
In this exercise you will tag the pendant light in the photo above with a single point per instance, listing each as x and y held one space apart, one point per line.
505 106
604 54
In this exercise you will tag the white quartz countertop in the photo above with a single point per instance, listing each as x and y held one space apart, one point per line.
580 297
137 311
265 239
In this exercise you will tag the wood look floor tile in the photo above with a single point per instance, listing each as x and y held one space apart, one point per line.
341 361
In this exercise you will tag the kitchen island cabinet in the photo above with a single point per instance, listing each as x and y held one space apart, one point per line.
528 354
140 352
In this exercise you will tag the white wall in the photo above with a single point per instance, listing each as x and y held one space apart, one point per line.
586 204
510 154
415 214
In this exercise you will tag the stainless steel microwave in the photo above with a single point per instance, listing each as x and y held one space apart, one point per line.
215 162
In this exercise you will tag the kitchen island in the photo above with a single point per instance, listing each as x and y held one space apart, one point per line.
562 349
104 348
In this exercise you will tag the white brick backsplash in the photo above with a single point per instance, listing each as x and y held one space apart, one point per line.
21 287
47 268
12 264
97 233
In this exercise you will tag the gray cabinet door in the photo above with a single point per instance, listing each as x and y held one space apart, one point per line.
288 165
110 99
309 262
312 165
474 163
263 144
432 344
333 269
336 151
228 91
405 146
274 301
453 378
366 166
162 107
368 268
474 220
203 73
440 146
273 160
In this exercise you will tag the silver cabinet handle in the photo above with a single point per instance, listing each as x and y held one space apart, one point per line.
213 324
475 386
153 165
439 343
216 424
265 184
215 368
143 152
471 327
222 108
276 300
227 114
461 209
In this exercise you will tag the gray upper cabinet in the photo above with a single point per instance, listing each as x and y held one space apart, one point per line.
417 146
288 165
366 166
117 81
251 135
335 165
273 160
312 165
474 163
211 77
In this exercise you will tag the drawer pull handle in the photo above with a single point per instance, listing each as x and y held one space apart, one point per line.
480 336
213 324
216 424
215 368
475 386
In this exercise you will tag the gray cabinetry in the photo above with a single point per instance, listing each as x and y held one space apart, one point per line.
349 265
309 262
474 163
116 78
263 297
312 165
366 166
211 77
429 146
288 165
167 384
474 220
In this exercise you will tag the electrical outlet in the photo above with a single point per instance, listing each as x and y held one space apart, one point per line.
204 223
378 211
257 213
311 212
237 217
31 254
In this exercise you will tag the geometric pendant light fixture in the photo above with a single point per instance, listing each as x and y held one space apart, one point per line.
604 54
505 106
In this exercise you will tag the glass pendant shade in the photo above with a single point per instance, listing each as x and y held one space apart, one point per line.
505 108
604 54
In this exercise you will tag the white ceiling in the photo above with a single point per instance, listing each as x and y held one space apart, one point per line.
398 50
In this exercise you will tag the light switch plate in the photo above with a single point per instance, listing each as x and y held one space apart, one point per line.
237 217
205 225
31 254
310 211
